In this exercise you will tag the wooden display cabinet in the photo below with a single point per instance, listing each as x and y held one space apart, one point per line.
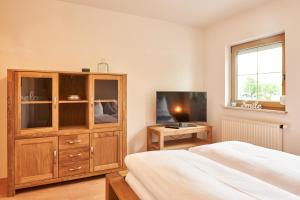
52 138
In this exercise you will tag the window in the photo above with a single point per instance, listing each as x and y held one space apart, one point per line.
258 72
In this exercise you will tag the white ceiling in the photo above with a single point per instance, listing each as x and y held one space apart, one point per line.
190 12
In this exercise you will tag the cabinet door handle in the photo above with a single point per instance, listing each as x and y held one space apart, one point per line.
76 155
54 156
92 149
92 100
74 169
55 102
73 141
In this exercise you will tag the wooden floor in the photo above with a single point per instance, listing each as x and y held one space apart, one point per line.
87 189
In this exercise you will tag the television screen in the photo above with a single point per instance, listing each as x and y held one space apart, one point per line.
172 107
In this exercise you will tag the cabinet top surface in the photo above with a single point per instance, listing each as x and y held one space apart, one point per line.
65 72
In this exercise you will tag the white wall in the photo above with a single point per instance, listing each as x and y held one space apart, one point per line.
53 35
277 16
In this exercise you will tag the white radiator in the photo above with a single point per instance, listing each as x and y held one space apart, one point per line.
263 134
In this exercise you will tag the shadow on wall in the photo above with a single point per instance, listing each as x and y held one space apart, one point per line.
3 127
138 142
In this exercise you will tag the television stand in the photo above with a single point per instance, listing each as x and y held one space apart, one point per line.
163 138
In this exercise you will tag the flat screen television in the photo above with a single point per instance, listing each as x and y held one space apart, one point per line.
174 107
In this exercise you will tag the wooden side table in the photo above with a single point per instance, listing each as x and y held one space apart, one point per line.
156 137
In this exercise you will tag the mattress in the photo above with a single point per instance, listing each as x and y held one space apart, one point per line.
272 166
181 175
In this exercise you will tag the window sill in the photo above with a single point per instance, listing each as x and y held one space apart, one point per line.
256 110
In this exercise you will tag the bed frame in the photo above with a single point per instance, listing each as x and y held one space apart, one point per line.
117 188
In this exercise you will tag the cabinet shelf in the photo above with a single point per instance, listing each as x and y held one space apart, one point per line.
72 127
73 114
76 101
73 84
36 102
105 101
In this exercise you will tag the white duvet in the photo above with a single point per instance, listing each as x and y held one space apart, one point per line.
275 167
180 175
138 187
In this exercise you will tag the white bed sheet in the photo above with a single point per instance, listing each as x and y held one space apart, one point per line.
138 187
275 167
180 175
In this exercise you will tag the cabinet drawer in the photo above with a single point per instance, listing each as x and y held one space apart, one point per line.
74 155
74 168
74 141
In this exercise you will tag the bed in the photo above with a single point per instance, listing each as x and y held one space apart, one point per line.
227 170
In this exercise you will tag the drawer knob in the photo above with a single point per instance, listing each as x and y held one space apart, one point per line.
73 156
74 169
73 141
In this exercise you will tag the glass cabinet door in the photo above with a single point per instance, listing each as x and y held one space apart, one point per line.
106 100
37 99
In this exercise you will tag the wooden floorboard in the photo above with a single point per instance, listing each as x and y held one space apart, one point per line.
87 189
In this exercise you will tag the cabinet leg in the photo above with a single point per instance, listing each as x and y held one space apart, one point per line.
209 135
149 139
194 135
161 141
11 192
